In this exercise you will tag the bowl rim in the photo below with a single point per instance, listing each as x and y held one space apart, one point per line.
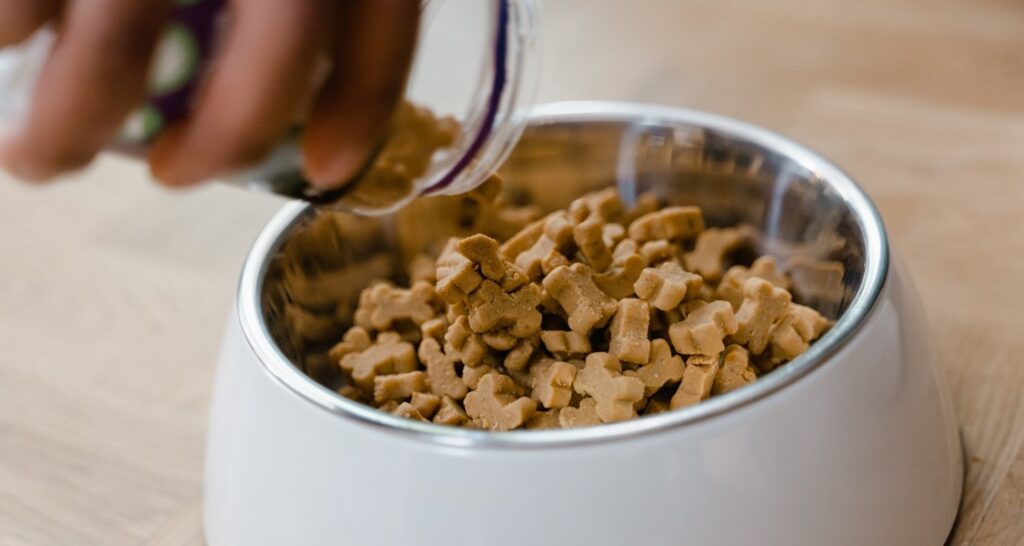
876 266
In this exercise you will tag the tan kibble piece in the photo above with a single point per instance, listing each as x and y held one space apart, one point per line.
425 403
399 386
522 241
517 359
605 203
730 288
565 344
441 375
544 420
462 344
434 328
450 413
407 410
500 341
491 307
551 383
422 268
792 335
663 368
382 304
644 203
471 376
697 381
389 355
667 223
552 261
493 406
574 289
589 237
735 372
665 286
816 282
763 304
355 339
615 393
351 392
704 328
457 276
713 247
625 249
388 407
583 416
629 336
557 231
660 250
618 282
483 251
611 234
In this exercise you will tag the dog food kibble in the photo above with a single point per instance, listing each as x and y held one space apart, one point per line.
594 314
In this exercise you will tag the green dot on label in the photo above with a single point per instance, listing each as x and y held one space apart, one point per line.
177 60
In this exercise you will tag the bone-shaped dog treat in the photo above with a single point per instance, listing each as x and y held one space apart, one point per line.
615 393
407 410
625 249
462 344
565 344
434 328
589 237
471 375
605 203
307 325
544 420
629 336
660 250
618 282
816 282
500 340
713 247
355 339
493 406
388 355
399 386
662 369
583 416
665 286
483 251
491 307
522 241
791 336
450 413
763 304
382 304
667 223
557 232
517 359
703 329
611 234
735 372
574 289
730 288
697 381
457 276
425 403
551 382
441 371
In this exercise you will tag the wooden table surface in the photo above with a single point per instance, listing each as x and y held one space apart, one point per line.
113 292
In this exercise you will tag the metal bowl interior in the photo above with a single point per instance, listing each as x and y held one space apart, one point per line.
805 208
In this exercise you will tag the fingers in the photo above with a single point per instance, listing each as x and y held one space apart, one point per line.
20 18
95 75
372 59
266 68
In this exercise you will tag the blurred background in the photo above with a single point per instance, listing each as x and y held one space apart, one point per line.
114 292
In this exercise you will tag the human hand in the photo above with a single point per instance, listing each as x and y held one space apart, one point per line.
264 77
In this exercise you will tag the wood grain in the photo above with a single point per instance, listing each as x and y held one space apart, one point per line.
113 292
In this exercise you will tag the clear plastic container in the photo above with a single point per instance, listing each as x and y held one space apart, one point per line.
475 61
